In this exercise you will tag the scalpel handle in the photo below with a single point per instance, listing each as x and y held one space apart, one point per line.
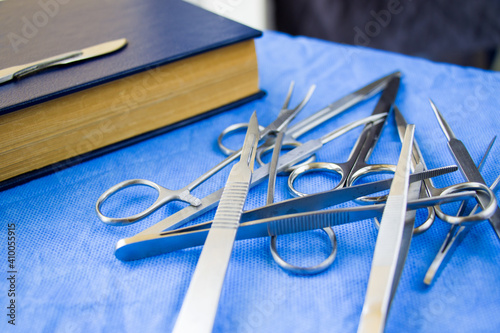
11 73
472 174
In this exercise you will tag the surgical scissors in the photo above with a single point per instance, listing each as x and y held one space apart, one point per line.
316 119
471 173
210 201
270 199
354 168
356 165
184 194
428 188
453 239
458 231
165 195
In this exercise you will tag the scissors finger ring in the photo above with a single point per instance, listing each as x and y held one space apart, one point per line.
290 145
366 171
424 226
164 195
485 214
317 166
230 129
306 270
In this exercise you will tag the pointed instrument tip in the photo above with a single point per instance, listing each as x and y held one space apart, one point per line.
397 113
400 122
311 90
309 94
393 85
442 122
398 116
252 136
288 95
253 124
253 116
492 142
433 105
251 140
436 111
397 74
438 114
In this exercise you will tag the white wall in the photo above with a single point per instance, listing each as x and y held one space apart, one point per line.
254 13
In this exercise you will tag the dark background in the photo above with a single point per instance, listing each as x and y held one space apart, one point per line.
463 32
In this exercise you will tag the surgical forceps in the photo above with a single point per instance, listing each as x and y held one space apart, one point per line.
311 122
285 217
393 240
394 235
354 168
165 195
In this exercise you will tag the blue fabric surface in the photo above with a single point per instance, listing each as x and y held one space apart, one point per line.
69 280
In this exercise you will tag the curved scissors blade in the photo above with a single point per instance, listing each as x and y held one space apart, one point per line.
340 105
287 115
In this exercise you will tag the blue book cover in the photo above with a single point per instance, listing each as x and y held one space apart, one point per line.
158 32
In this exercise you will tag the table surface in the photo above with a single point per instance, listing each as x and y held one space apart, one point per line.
68 279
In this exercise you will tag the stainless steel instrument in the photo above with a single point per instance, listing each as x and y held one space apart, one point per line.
19 71
202 299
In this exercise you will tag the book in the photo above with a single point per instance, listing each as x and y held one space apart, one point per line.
181 63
